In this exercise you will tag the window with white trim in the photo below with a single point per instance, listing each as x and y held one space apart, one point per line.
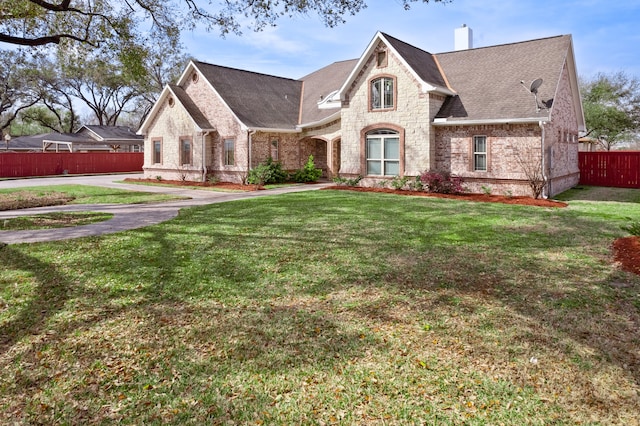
275 150
480 153
383 153
229 152
382 93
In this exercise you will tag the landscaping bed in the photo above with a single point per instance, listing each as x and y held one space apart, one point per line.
485 198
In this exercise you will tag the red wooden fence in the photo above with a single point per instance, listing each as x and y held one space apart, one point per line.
17 164
619 168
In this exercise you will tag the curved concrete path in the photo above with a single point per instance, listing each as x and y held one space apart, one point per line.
125 216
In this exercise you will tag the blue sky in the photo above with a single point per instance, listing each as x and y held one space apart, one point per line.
606 34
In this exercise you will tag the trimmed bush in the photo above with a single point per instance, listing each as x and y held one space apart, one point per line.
442 182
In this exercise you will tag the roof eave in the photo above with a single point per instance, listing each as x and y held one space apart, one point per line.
442 122
328 119
272 130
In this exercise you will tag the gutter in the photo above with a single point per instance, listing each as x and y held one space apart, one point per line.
442 122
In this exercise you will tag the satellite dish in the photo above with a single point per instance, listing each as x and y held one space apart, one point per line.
535 84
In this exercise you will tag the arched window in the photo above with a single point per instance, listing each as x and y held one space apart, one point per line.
383 152
382 93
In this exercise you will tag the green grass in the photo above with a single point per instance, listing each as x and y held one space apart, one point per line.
327 307
83 194
53 220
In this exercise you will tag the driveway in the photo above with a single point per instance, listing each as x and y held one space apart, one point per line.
125 216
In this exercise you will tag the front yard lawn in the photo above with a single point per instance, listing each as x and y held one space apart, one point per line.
328 307
39 196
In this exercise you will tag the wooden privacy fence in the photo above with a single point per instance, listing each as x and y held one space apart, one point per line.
17 164
619 169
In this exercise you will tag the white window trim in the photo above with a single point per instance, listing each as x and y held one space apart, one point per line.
484 153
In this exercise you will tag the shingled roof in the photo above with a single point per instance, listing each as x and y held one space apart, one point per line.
111 133
321 84
487 80
258 100
192 109
421 61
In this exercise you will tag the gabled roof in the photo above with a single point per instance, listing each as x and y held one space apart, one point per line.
192 109
421 64
197 117
110 133
488 80
259 101
420 61
319 86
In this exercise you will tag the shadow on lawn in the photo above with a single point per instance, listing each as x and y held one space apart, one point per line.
202 308
52 290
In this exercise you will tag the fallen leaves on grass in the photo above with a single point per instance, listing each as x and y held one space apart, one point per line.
28 199
53 220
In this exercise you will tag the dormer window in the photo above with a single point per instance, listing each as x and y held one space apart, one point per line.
382 93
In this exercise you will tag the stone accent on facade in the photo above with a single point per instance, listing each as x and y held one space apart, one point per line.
412 111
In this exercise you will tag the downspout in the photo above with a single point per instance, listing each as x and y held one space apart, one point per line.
250 133
204 155
542 153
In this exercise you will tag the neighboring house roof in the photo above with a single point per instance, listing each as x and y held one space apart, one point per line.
488 80
319 87
111 134
259 101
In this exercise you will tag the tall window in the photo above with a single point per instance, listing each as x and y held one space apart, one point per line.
383 153
229 152
275 150
480 153
185 151
382 93
157 152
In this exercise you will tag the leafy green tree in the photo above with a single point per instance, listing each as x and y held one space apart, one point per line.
611 104
117 22
18 87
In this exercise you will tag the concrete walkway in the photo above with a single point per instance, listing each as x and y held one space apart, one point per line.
125 216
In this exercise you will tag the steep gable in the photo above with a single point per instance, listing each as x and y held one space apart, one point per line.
259 101
420 61
488 80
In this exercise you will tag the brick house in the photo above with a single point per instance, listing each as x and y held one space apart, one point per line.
495 116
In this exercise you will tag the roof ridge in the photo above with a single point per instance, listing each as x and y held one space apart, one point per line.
506 44
244 71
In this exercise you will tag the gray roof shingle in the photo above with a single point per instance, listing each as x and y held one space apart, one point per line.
107 133
322 83
487 80
192 109
258 100
421 61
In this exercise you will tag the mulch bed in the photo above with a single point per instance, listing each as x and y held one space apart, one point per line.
626 251
484 198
